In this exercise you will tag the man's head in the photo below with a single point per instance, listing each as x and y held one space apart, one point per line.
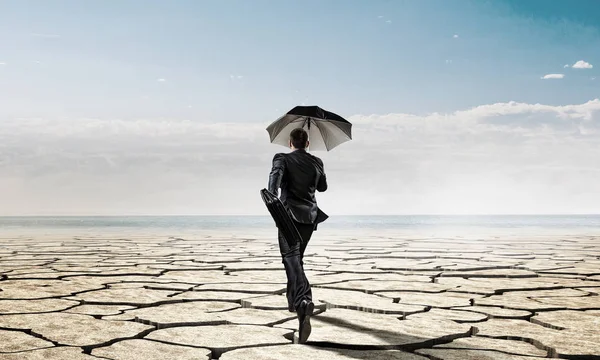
298 139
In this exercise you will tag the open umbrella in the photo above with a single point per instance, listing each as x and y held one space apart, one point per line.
326 130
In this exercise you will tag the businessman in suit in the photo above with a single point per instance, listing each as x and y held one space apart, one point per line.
298 174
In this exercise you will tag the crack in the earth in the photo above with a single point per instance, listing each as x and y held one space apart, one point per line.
87 349
32 333
552 353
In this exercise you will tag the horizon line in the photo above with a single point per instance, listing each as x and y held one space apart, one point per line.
268 216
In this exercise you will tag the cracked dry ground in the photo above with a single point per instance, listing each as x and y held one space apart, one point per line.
206 297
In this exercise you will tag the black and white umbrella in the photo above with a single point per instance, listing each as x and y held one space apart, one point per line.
326 130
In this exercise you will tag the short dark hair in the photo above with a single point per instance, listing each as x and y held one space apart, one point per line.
299 137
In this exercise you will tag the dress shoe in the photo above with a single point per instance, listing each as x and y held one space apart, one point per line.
304 311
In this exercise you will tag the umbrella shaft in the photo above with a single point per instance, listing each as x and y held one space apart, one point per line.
308 132
307 123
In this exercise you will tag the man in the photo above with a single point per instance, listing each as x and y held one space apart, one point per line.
298 174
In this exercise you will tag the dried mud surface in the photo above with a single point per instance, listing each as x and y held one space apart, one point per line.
223 297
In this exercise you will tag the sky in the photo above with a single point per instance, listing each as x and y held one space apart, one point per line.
160 107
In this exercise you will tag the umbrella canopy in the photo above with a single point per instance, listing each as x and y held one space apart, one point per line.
326 130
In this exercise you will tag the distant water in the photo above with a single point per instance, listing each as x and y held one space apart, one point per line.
407 222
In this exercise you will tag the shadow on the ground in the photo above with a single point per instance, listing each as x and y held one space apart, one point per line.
389 340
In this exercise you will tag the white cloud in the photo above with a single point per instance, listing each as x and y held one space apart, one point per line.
161 80
380 17
582 65
2 63
498 110
448 61
455 36
553 76
495 158
388 21
566 66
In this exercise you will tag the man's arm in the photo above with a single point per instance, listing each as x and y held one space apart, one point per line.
276 173
322 184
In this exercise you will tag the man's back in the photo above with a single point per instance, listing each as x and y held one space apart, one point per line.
299 174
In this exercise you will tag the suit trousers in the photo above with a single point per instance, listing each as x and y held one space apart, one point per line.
298 287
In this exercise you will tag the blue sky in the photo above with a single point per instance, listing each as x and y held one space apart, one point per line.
101 58
108 94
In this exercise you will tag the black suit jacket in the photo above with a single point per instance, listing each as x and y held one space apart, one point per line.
299 174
